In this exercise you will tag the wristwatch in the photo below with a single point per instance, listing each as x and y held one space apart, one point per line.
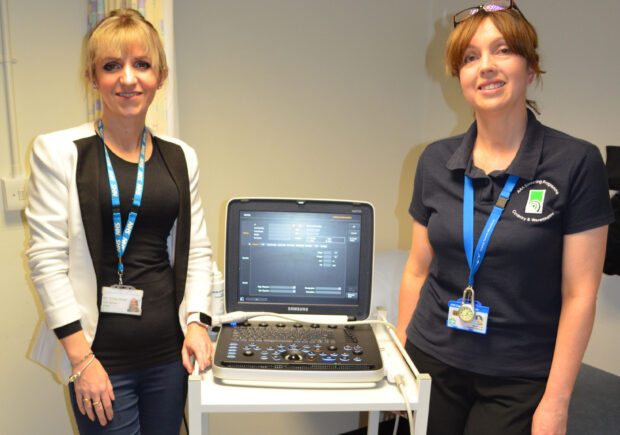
200 318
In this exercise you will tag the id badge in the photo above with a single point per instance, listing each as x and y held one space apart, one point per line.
121 299
478 324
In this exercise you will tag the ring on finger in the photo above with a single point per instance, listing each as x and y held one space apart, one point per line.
97 403
85 399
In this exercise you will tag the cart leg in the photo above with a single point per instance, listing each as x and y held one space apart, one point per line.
193 407
420 417
373 423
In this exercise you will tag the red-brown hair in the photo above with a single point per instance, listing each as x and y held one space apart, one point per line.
519 34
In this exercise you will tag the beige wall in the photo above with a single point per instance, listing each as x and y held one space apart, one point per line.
46 42
317 98
303 99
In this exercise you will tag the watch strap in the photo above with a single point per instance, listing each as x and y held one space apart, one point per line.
201 318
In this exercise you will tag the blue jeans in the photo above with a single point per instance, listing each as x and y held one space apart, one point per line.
148 401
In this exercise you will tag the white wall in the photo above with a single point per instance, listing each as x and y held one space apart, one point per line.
295 98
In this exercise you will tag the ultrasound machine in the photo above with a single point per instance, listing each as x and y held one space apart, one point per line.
310 263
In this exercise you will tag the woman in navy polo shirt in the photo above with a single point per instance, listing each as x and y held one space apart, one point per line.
510 220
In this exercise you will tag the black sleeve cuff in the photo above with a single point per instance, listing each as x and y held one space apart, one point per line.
71 328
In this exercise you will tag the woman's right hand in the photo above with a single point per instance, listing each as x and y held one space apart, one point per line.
94 393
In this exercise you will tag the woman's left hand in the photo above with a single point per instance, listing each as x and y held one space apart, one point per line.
197 343
550 418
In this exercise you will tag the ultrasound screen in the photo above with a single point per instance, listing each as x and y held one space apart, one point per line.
299 258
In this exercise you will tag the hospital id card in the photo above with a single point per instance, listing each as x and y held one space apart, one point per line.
121 299
478 324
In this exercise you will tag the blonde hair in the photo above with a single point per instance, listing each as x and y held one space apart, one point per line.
121 28
519 34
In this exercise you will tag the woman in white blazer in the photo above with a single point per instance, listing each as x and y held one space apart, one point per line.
119 252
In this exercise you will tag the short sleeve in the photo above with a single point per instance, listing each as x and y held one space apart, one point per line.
417 209
589 204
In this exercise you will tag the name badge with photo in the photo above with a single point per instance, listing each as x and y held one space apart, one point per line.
478 324
121 299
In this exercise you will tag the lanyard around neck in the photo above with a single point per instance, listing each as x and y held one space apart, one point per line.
122 239
474 258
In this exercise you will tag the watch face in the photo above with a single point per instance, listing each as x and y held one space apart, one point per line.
466 313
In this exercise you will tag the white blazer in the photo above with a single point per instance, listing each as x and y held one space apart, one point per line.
64 221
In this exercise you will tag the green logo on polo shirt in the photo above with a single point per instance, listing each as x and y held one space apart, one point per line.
535 201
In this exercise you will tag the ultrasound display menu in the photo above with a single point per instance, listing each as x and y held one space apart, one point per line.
299 258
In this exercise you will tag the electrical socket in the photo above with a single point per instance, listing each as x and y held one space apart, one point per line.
14 190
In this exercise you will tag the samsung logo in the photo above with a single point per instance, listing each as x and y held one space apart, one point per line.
304 309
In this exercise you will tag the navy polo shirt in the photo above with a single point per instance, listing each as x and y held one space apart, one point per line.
562 189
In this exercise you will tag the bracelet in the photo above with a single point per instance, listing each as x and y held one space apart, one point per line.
74 377
82 360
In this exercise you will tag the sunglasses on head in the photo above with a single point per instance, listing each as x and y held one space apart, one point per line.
492 6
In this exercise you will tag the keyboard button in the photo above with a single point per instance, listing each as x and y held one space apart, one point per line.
293 357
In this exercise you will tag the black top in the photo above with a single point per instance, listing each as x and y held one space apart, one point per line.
124 342
520 276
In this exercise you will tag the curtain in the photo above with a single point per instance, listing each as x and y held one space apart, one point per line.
161 117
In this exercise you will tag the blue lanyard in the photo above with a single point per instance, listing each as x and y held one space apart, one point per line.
474 259
122 239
